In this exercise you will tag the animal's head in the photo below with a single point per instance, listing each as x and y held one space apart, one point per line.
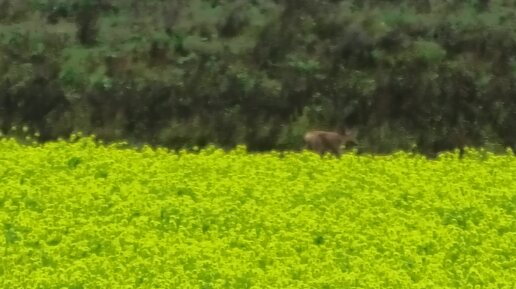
349 136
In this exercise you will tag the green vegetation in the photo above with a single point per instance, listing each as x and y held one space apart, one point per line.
78 214
435 74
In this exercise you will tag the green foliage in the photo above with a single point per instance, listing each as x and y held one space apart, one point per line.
429 52
148 70
80 214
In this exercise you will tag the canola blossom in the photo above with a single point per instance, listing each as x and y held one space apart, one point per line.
81 214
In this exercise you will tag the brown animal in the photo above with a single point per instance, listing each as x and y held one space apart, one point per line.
327 141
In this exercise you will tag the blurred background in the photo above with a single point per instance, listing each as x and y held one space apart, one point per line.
422 76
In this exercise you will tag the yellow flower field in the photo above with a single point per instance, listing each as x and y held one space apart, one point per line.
78 214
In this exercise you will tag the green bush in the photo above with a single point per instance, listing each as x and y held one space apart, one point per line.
432 70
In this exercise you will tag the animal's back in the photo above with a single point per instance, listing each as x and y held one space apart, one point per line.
323 141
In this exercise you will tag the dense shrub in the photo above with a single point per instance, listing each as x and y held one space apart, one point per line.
435 74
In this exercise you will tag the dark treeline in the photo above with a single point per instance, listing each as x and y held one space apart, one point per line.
424 75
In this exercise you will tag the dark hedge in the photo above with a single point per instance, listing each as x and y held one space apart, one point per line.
412 75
